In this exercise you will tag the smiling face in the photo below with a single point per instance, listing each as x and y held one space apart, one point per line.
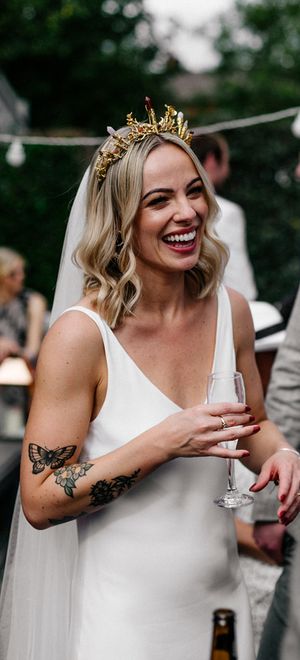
172 214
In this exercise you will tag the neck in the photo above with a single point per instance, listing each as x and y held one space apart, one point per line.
164 297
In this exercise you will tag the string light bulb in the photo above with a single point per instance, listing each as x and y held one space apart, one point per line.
296 126
15 155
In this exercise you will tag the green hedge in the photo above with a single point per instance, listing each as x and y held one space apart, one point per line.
35 201
263 160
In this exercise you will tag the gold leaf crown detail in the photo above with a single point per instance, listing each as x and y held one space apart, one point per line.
172 122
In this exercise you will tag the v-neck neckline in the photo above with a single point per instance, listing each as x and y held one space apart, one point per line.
146 378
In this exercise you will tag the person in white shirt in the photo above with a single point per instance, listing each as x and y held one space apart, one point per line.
212 151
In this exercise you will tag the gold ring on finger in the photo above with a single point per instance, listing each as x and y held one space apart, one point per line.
224 425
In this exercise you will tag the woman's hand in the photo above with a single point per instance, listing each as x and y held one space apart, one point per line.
198 431
282 467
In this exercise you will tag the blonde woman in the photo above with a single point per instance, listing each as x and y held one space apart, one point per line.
22 311
22 324
122 456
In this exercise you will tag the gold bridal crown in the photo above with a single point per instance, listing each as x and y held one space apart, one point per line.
172 122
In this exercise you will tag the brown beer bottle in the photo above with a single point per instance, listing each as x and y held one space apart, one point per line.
223 639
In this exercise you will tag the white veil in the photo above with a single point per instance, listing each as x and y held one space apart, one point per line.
37 586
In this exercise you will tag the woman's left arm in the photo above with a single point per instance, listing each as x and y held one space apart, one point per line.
266 456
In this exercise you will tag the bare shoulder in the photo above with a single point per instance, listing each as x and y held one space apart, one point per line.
243 327
74 341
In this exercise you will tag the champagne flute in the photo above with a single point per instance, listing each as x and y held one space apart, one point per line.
228 386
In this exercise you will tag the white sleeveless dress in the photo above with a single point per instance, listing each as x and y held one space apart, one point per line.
155 563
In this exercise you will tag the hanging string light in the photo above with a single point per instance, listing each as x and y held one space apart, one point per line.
15 154
296 126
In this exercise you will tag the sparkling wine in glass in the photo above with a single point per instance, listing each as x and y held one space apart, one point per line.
225 386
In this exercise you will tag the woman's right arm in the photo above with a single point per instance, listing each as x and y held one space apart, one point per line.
55 485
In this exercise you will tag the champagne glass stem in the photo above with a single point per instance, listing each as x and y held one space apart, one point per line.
228 386
231 474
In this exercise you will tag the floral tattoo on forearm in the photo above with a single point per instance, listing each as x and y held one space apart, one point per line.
66 477
105 491
53 458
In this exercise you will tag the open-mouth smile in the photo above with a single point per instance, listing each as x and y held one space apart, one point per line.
183 240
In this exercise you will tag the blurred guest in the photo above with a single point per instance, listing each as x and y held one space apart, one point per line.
283 405
213 153
291 643
22 312
259 570
22 317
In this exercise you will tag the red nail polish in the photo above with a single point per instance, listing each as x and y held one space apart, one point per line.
252 418
256 428
247 408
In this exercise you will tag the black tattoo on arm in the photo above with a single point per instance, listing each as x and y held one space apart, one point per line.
66 477
53 458
104 491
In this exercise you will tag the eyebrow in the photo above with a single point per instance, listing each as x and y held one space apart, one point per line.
168 190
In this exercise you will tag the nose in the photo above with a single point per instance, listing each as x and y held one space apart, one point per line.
184 211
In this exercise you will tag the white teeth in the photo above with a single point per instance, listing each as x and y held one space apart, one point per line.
181 237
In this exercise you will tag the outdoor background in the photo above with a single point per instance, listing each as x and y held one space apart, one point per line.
83 64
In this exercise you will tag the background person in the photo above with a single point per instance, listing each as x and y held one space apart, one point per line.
117 406
283 405
22 324
22 311
213 152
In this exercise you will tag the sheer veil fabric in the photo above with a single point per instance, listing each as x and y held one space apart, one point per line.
36 597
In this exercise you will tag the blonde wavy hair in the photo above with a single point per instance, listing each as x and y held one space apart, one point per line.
106 251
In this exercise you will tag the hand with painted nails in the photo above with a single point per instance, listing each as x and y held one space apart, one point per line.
284 467
202 430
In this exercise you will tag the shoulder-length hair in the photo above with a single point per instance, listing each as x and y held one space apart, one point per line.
106 250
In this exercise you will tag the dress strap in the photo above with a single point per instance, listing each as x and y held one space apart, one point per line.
225 358
88 312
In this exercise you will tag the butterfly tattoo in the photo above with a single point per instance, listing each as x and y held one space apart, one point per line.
53 458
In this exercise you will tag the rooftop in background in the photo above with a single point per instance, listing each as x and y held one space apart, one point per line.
186 85
14 112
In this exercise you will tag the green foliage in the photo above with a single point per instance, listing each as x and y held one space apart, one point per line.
262 180
79 63
82 65
259 72
260 63
34 206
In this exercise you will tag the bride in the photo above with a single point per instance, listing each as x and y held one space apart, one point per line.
120 549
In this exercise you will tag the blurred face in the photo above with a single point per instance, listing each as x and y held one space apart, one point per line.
217 171
14 280
172 214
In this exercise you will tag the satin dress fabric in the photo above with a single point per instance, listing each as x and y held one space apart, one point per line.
154 564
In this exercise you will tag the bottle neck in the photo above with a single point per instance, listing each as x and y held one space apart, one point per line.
223 642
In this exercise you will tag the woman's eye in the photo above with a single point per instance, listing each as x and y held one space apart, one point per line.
196 190
157 200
